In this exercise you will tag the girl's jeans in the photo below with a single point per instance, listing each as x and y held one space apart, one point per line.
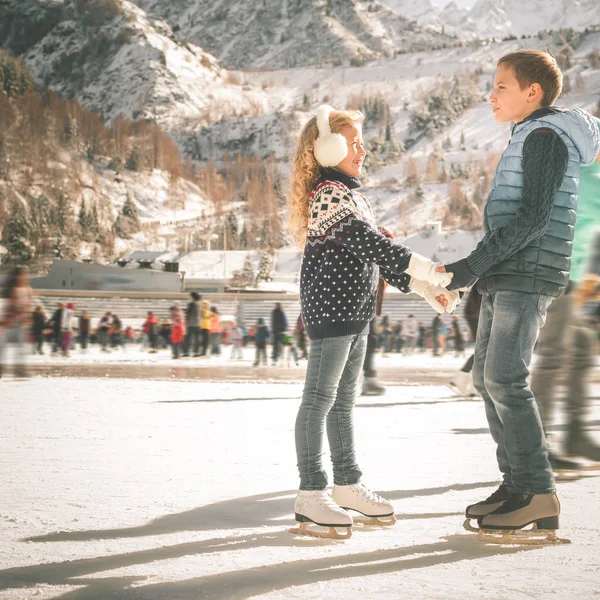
330 390
509 324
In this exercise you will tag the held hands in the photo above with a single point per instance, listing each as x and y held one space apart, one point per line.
439 298
424 270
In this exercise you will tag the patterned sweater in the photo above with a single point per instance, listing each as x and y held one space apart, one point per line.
343 258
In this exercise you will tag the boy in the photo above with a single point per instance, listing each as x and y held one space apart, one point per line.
522 264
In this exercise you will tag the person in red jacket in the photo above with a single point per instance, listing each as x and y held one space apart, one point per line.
177 336
151 330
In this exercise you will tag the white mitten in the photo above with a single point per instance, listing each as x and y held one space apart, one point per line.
423 269
453 296
423 288
429 292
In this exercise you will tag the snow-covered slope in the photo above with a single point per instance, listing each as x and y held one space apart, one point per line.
245 33
128 65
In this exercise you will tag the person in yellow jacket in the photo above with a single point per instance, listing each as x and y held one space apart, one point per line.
215 332
205 325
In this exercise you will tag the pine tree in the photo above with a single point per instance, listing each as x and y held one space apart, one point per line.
94 220
248 270
130 209
83 217
447 144
62 214
264 268
463 145
133 162
243 242
232 229
15 235
127 222
306 103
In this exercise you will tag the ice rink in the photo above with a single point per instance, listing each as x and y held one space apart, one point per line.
168 490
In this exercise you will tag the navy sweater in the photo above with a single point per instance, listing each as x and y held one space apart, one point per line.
343 258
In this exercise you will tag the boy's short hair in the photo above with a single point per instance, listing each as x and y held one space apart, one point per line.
536 66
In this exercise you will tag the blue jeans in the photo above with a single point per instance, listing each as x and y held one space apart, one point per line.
18 335
330 390
509 324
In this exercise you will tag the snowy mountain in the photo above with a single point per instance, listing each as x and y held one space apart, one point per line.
121 63
500 18
246 33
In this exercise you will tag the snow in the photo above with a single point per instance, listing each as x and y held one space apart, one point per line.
172 490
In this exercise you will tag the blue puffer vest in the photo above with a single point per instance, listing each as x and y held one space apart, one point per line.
543 266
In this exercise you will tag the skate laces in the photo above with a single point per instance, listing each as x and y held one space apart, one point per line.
328 501
366 493
499 495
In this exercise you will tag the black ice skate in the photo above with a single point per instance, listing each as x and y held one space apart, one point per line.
485 507
507 524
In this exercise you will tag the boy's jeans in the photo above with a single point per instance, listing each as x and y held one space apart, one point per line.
330 389
509 324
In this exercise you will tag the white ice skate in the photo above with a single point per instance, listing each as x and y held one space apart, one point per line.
360 498
318 507
372 388
462 383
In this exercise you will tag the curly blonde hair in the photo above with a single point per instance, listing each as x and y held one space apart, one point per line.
306 170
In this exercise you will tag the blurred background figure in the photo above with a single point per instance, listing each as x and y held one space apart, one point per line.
102 331
279 325
15 318
463 381
235 337
215 332
66 328
289 352
193 319
56 326
38 326
410 334
261 337
84 330
457 336
568 340
177 333
150 327
301 338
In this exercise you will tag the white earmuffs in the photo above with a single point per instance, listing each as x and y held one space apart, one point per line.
330 148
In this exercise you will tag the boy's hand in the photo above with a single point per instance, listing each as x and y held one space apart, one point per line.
462 278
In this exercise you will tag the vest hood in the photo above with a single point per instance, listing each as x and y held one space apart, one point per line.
580 126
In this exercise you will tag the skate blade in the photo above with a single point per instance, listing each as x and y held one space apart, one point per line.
332 533
589 468
530 537
467 525
388 521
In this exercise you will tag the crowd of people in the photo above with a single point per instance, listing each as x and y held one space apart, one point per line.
198 330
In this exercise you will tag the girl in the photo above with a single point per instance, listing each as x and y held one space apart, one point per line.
344 256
